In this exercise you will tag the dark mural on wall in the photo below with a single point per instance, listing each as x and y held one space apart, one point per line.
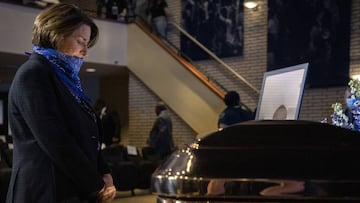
216 24
314 31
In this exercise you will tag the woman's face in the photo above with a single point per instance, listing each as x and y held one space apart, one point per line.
76 44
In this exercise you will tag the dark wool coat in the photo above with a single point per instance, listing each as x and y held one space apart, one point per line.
160 137
56 155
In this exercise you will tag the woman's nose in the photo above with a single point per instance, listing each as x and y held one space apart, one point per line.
84 51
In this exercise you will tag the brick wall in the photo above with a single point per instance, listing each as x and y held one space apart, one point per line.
142 103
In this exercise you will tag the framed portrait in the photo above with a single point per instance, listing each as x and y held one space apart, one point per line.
281 93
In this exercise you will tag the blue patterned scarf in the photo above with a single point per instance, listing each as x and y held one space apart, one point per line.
66 68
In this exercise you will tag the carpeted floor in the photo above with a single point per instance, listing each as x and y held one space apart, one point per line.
141 196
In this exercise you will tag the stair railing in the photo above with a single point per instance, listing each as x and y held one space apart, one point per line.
226 66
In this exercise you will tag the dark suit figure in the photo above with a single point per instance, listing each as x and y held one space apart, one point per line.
160 138
110 120
61 137
233 113
56 134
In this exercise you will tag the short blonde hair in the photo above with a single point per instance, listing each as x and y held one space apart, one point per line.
58 21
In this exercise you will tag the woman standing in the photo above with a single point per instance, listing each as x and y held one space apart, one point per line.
159 15
56 134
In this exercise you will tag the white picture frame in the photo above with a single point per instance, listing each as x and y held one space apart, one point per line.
281 93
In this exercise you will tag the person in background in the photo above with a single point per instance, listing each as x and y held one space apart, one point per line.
111 9
101 8
351 104
141 10
56 135
233 113
159 15
160 138
123 12
110 122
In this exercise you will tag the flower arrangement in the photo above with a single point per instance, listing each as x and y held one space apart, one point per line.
349 117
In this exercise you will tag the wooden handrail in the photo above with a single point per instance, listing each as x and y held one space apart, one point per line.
186 64
215 57
145 27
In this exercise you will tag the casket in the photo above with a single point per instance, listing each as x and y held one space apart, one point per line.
264 161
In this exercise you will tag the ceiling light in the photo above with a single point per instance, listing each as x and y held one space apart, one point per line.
251 4
90 70
355 77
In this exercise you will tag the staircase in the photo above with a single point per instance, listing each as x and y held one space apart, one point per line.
174 80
